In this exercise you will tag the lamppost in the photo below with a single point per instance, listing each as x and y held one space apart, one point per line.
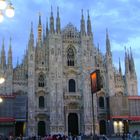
1 100
2 80
7 8
95 87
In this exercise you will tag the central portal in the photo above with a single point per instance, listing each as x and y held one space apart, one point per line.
73 124
41 128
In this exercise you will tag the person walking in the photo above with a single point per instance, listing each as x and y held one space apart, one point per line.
136 135
129 136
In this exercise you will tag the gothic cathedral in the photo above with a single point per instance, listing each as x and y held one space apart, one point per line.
55 77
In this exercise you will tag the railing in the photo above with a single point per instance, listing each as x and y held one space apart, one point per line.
42 111
72 97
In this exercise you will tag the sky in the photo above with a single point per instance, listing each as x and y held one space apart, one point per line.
120 17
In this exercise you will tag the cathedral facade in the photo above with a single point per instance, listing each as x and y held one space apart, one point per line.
55 77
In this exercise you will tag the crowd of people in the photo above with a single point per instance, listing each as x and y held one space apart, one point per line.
46 137
129 136
125 136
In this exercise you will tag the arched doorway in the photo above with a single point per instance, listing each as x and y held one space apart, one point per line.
102 127
41 128
73 124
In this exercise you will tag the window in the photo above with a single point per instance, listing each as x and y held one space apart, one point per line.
41 102
41 80
101 102
71 85
70 57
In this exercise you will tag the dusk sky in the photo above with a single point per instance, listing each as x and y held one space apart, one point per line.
121 17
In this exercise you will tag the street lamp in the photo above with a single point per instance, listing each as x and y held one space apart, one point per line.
7 8
1 100
95 87
2 80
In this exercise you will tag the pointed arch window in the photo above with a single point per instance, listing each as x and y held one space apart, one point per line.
70 57
41 80
101 102
72 85
41 102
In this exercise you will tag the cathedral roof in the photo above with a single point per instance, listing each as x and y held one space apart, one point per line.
70 31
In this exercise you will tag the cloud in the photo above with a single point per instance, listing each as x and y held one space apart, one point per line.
121 17
133 42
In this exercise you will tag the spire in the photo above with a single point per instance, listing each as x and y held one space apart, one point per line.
47 30
31 32
39 28
39 19
3 58
108 48
43 33
10 65
51 11
51 22
82 24
31 39
98 56
120 69
17 62
126 62
58 21
89 30
132 65
98 47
